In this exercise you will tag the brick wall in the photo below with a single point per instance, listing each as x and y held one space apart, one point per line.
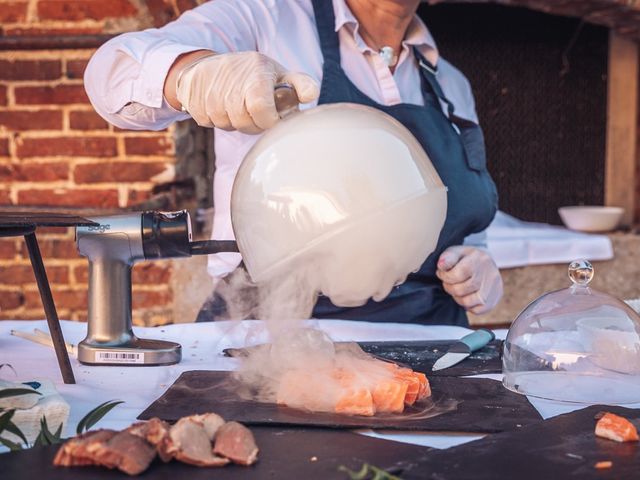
55 151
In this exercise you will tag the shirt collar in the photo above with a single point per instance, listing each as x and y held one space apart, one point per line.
417 35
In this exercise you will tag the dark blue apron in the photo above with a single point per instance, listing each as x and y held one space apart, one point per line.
460 161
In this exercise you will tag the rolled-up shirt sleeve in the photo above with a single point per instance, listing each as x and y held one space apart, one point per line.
125 77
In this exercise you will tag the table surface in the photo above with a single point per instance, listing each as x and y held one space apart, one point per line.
202 345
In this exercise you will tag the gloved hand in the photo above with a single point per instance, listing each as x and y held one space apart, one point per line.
471 277
234 91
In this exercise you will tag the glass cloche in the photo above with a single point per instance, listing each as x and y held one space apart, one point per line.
575 345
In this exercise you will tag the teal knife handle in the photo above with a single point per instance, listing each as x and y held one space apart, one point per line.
478 339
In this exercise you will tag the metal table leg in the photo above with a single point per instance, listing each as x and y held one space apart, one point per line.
49 308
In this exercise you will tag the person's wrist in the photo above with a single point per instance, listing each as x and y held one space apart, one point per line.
181 63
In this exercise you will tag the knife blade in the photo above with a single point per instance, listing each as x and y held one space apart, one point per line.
463 348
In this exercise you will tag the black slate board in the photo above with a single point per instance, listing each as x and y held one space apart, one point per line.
422 354
41 219
484 406
561 447
284 454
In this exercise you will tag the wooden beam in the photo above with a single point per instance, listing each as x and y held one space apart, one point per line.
622 120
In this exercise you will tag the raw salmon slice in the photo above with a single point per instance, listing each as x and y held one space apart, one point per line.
413 384
389 395
616 428
356 402
425 388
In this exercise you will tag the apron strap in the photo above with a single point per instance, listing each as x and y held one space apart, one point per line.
428 71
326 25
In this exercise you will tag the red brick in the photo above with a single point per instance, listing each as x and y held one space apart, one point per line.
136 197
30 120
162 12
184 5
159 145
60 95
117 172
4 147
37 314
149 299
21 274
81 273
84 9
86 120
67 146
35 31
4 197
151 273
63 298
54 248
30 69
3 95
69 198
10 299
8 248
34 172
55 232
13 12
75 68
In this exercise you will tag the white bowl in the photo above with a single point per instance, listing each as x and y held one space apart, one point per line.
591 218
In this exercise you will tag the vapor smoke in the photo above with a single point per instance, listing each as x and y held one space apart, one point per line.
301 366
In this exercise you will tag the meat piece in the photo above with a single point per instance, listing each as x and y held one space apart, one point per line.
211 423
189 443
425 388
356 402
616 428
293 391
235 442
156 432
413 385
389 395
125 451
418 386
77 450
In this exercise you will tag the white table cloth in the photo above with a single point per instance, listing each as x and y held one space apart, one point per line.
202 346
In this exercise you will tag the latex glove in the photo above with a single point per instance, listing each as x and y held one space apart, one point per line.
234 91
471 277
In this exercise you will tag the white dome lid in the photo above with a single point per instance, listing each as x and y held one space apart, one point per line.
345 188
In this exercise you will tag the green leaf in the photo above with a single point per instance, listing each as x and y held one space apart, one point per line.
361 475
5 418
11 445
368 471
95 415
380 474
48 438
14 392
13 428
40 440
58 433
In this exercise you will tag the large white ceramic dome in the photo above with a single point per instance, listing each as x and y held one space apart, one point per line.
344 191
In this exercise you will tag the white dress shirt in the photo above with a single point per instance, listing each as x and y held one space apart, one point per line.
125 77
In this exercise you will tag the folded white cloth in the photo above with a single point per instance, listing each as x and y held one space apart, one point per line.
50 405
516 243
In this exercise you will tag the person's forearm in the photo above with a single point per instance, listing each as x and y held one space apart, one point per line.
170 81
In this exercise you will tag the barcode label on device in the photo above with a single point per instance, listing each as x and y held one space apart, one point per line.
119 357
